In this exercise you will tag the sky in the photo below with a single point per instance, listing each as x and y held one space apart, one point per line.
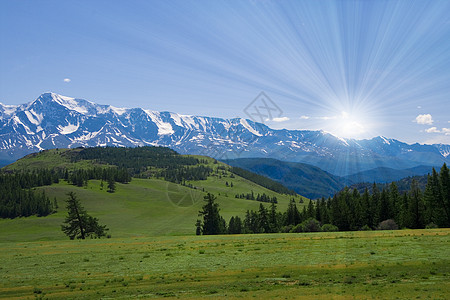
357 69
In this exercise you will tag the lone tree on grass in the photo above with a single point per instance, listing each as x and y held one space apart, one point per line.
111 185
213 223
79 224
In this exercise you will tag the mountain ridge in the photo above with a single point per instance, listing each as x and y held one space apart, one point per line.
55 121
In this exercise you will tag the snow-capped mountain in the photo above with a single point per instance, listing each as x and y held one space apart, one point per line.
55 121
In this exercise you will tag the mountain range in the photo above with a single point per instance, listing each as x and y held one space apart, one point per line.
56 121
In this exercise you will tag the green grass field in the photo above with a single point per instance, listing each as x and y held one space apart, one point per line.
153 252
406 264
144 207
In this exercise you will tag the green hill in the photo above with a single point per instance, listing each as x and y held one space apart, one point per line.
149 206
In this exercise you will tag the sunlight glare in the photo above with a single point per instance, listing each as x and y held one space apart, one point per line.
349 125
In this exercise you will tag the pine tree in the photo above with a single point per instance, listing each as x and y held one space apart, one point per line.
365 203
79 224
111 185
383 206
416 207
235 225
273 218
394 200
357 211
263 220
444 177
198 226
212 221
292 214
311 213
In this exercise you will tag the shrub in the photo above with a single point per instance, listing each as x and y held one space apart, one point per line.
329 228
387 225
297 228
311 225
286 229
365 228
431 226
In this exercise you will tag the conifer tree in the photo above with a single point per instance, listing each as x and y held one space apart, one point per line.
444 177
111 185
198 226
292 216
416 207
273 218
263 219
212 221
78 223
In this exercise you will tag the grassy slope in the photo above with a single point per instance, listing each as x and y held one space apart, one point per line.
404 264
149 207
48 159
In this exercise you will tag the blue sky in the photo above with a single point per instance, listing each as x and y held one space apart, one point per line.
354 68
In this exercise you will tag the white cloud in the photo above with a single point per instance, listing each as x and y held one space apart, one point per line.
419 107
432 130
328 118
66 80
282 119
425 119
446 131
325 118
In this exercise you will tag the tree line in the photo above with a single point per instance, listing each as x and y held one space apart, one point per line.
17 199
80 177
384 208
135 160
259 197
179 174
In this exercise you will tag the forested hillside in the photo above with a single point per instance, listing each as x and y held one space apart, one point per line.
381 208
18 182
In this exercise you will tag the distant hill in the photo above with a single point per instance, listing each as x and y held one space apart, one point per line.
312 182
384 175
308 180
403 185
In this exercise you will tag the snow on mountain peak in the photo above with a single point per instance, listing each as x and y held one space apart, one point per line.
164 128
8 109
54 120
70 103
249 128
385 140
118 110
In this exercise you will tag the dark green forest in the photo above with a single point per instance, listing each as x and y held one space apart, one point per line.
18 199
384 208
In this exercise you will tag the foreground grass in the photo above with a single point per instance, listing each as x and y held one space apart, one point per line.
403 264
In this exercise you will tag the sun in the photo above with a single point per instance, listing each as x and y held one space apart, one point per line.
349 126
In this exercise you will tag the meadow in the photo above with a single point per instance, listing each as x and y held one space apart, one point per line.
403 264
144 207
153 252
